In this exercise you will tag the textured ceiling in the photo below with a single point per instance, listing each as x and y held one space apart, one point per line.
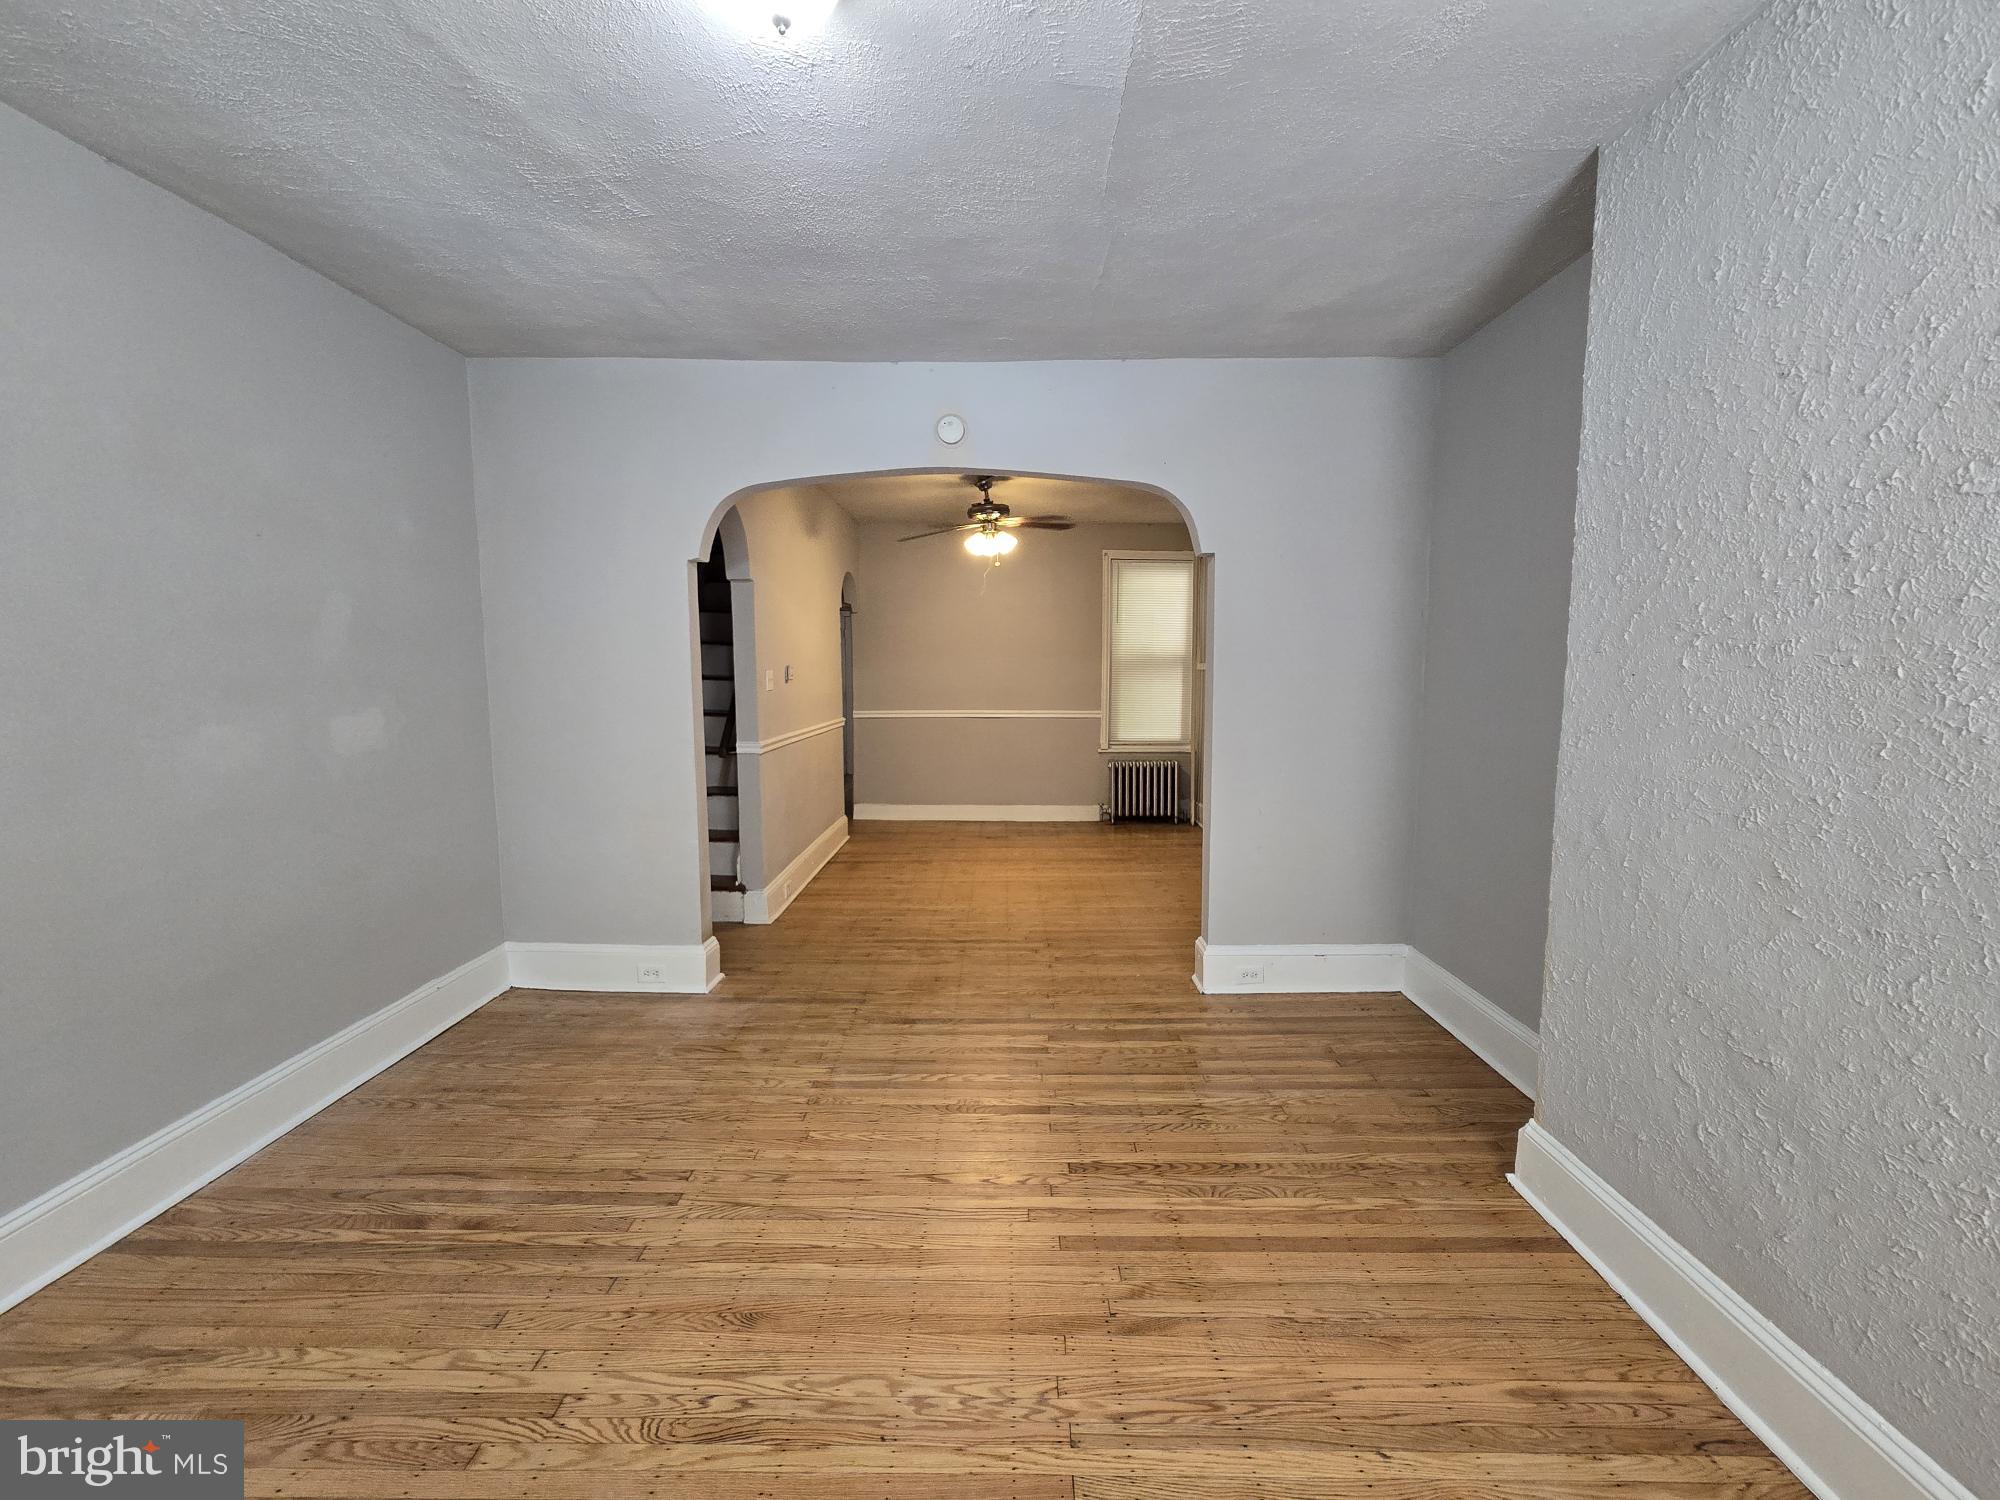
939 499
921 179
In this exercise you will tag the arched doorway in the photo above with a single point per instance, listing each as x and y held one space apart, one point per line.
972 691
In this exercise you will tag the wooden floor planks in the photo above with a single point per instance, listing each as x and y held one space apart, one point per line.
955 1188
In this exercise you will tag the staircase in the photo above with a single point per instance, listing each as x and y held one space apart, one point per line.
718 703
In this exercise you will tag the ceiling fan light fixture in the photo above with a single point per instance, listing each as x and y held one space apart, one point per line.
991 542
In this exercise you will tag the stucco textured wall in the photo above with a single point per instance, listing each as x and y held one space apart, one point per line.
1773 1016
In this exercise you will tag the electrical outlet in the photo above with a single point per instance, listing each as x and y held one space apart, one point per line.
1250 974
770 680
651 974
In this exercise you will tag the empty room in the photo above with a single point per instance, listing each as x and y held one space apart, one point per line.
1031 750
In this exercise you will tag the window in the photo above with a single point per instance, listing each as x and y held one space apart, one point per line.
1148 650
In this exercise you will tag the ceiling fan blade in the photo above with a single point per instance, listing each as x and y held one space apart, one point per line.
1043 523
939 531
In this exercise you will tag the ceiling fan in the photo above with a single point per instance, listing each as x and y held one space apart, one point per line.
989 525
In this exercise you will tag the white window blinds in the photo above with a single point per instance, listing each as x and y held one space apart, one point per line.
1148 650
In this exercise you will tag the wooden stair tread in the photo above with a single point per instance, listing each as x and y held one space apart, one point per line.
724 883
725 836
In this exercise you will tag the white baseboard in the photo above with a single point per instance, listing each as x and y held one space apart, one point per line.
1503 1043
683 969
972 812
765 906
1840 1447
67 1225
1507 1046
725 906
1298 969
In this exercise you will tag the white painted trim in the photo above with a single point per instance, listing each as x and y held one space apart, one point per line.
613 968
725 906
977 713
1503 1043
1508 1047
779 741
1299 969
65 1226
971 812
1840 1447
764 906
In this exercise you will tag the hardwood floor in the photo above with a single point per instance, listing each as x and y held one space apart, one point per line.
956 1188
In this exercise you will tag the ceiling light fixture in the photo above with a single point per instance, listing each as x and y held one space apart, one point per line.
991 542
777 20
990 526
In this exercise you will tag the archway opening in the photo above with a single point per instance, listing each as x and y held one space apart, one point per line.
907 688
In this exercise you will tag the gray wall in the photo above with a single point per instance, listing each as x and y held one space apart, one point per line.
1502 516
924 608
1308 479
1775 941
245 795
799 548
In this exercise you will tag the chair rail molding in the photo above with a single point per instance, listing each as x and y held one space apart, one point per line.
789 737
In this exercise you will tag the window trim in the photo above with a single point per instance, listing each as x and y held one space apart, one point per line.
1105 744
